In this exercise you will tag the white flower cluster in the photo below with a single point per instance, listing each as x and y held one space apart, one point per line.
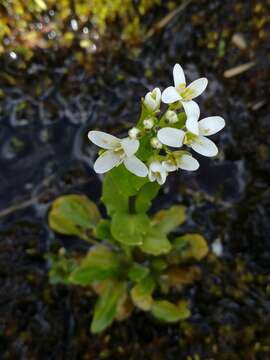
165 133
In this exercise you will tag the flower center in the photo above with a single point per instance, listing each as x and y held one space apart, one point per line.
119 151
189 138
186 93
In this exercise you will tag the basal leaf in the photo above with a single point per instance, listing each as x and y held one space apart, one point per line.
130 229
156 243
107 306
137 272
168 220
169 312
141 293
190 246
73 215
99 264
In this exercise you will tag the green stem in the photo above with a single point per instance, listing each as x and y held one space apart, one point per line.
132 205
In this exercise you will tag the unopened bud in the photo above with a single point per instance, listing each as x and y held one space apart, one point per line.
171 116
148 123
133 133
152 99
155 143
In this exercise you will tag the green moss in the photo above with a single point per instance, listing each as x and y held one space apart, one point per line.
27 25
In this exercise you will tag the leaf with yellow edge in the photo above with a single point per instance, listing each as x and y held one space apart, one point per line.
100 263
155 243
73 215
190 246
169 312
168 220
141 293
108 305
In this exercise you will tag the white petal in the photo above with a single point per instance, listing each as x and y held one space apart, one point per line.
169 166
163 176
198 86
191 109
156 166
171 137
151 176
178 75
106 162
130 146
187 162
136 166
211 125
157 94
204 146
192 125
103 140
170 95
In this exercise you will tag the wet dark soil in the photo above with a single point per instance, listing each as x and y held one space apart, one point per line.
46 112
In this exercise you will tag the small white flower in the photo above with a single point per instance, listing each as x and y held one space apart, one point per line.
171 116
118 151
152 99
180 160
198 142
148 123
157 173
155 143
181 92
133 133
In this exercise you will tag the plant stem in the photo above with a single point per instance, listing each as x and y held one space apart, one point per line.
131 204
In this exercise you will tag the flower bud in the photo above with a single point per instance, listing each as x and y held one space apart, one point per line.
148 123
152 99
155 143
171 116
133 133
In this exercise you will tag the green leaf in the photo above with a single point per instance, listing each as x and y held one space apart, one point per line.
103 230
107 306
190 246
145 196
168 220
74 215
156 243
137 272
130 229
112 196
99 264
169 312
141 293
119 184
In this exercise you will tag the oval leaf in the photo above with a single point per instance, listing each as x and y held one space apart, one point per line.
141 293
190 246
73 215
100 263
169 312
156 243
130 229
168 220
